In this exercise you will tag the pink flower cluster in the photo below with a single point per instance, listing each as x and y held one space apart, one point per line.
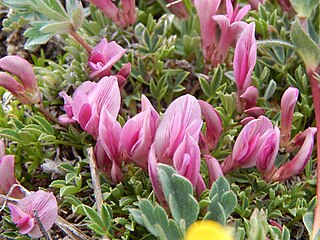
216 47
259 141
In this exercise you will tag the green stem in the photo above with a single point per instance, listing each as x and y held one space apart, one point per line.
270 43
80 40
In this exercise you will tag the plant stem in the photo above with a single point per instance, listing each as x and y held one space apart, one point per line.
315 88
49 115
80 40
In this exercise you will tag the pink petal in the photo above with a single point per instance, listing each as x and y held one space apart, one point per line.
24 221
244 58
213 125
250 97
297 164
178 117
288 102
106 94
20 68
7 173
108 8
206 9
46 206
102 65
186 159
214 168
153 173
109 134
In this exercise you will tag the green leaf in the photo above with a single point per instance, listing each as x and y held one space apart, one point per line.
304 8
305 46
258 225
93 216
11 134
156 221
222 201
272 86
178 192
105 216
68 190
46 126
57 27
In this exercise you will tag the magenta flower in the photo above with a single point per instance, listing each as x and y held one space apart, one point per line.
210 139
22 213
27 90
245 58
206 9
288 102
298 163
103 57
186 159
247 144
109 137
183 115
122 17
231 27
88 100
267 153
138 134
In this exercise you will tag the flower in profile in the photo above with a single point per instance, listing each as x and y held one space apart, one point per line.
123 17
26 88
300 160
183 115
138 134
87 102
245 150
103 57
210 139
207 230
288 102
109 138
7 177
245 56
22 213
231 27
206 9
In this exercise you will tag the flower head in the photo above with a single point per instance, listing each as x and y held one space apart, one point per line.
27 90
88 101
22 213
103 57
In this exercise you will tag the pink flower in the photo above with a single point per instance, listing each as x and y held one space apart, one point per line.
22 214
231 27
206 9
183 115
214 168
103 57
247 144
88 100
267 153
288 102
122 17
186 159
210 139
138 134
7 177
27 90
249 98
245 58
109 137
298 163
